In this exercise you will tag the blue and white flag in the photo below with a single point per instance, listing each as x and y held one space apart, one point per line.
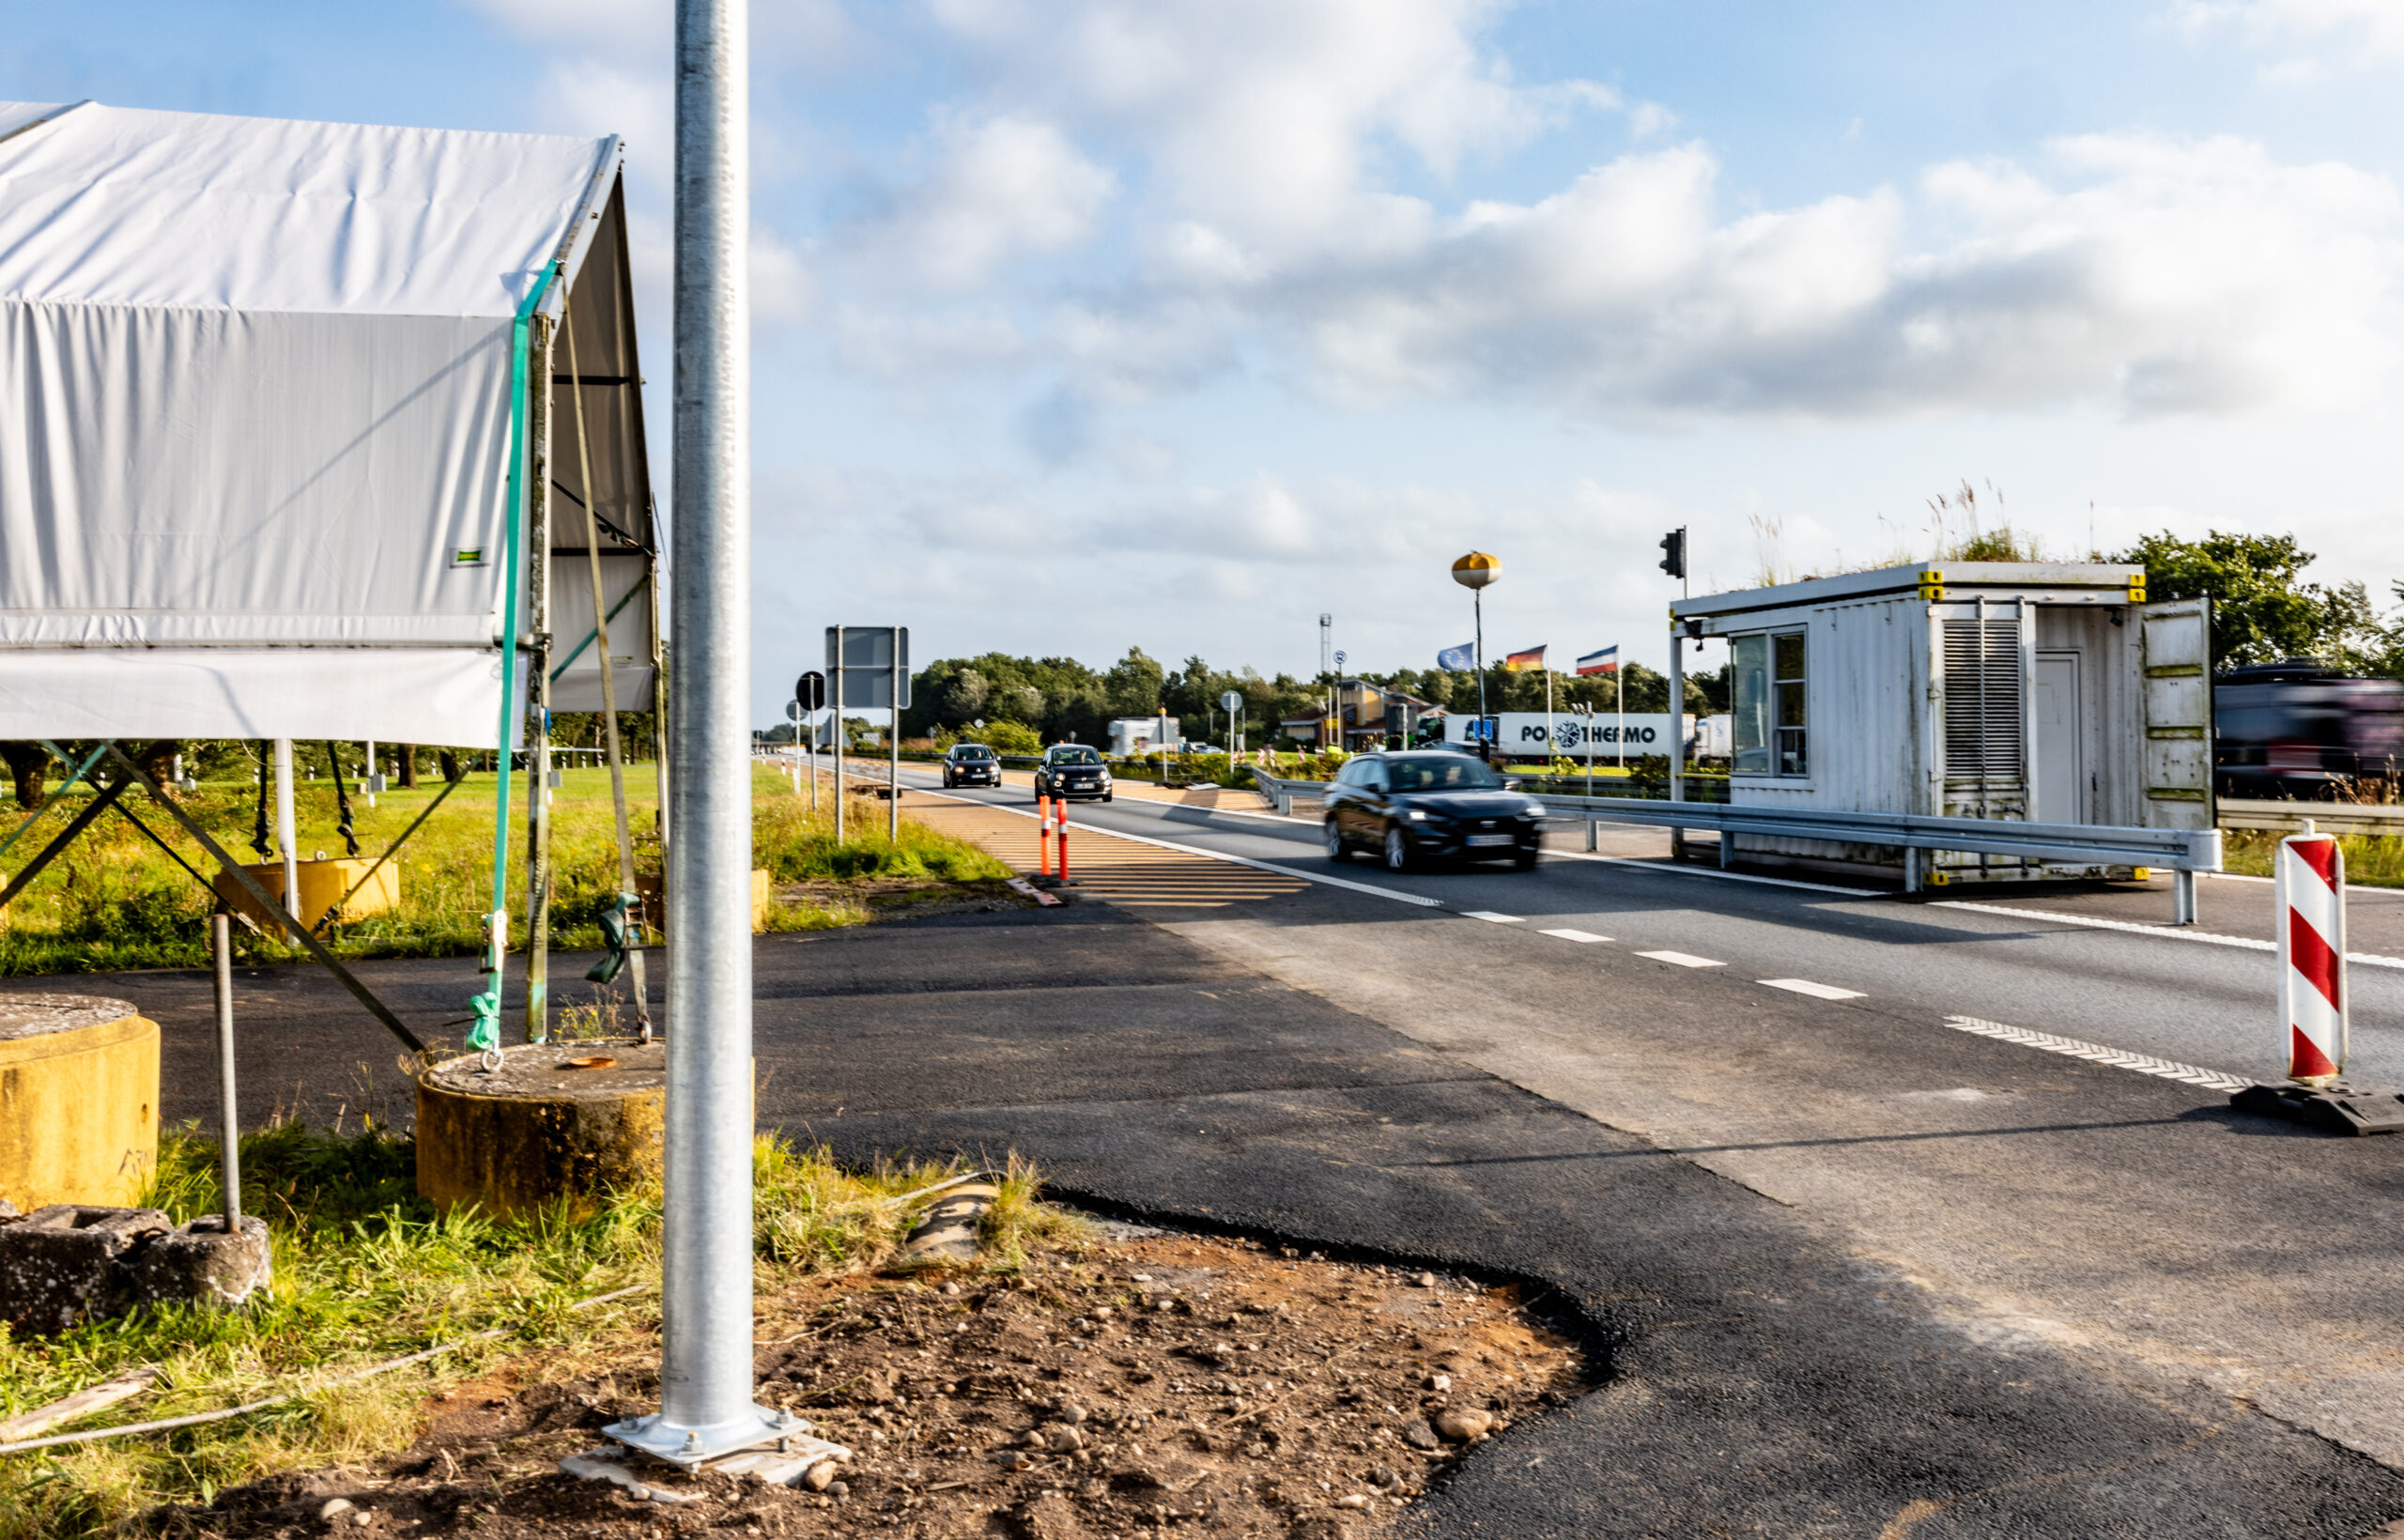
1606 661
1457 657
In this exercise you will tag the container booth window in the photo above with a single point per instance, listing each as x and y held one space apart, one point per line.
1769 719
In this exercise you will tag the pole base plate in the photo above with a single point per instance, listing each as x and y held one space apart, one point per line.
2333 1109
693 1447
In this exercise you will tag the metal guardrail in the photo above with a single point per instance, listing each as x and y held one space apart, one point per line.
2180 852
1281 790
2327 817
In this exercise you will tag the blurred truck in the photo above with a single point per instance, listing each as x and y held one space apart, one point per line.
2300 730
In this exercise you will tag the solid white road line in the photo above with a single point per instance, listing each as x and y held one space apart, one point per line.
1573 935
1684 960
1222 855
2120 1058
2210 938
1490 916
1817 992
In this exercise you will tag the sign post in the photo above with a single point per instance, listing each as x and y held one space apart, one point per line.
1233 703
870 665
809 692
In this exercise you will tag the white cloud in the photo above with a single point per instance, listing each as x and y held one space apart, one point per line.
2366 27
2161 275
1006 187
1269 123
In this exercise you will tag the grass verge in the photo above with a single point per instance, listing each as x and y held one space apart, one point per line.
2372 860
114 899
366 1271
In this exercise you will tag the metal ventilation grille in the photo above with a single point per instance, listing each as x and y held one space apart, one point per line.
1983 687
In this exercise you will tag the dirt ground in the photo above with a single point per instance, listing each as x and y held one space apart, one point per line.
1141 1387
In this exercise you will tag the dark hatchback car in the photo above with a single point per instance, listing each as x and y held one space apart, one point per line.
2300 728
1072 770
971 765
1430 804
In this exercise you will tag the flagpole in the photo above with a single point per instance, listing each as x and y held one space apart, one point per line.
1477 604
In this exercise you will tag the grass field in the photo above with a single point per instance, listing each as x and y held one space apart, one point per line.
114 899
366 1271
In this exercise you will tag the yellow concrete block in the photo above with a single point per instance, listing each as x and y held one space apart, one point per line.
322 886
79 1101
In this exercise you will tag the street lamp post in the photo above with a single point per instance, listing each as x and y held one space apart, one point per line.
1473 572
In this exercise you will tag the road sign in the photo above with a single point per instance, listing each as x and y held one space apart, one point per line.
810 690
1231 701
874 665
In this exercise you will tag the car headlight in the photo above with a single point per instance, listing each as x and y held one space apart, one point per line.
1416 816
1534 809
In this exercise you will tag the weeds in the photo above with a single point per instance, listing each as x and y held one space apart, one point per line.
365 1271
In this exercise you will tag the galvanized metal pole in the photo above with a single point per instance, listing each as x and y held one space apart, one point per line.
229 1123
1678 734
841 673
706 1406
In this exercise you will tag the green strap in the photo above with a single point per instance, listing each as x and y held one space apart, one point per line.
484 1035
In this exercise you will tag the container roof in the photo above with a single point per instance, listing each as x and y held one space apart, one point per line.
2063 582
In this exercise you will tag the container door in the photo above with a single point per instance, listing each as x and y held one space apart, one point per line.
2176 640
2057 752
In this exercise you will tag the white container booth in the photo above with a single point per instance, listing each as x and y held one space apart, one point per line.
2043 692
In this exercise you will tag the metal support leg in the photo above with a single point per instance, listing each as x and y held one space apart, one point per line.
2182 897
1593 827
1911 869
229 1122
1727 849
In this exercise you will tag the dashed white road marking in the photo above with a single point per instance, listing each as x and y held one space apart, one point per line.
1573 935
1684 960
2210 938
2120 1058
1493 918
1817 992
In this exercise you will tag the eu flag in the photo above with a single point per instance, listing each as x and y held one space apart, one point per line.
1457 657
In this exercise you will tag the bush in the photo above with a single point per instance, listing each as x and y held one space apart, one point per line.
1004 737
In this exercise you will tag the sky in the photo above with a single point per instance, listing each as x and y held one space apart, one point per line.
1088 324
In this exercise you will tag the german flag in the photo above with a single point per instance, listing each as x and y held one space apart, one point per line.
1532 659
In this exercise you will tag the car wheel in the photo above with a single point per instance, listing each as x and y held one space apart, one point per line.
1106 796
1337 849
1398 850
1525 860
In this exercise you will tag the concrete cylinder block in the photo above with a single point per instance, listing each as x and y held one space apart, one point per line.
79 1101
553 1121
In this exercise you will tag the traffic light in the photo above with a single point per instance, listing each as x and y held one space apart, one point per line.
811 690
1673 546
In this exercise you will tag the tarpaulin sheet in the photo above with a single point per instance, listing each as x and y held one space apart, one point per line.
254 419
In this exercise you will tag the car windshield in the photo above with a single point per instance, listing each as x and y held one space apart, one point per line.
972 752
1078 755
1441 773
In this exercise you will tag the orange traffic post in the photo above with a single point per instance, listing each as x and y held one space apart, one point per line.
1042 834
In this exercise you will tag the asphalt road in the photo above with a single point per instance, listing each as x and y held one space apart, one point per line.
2020 1184
2047 966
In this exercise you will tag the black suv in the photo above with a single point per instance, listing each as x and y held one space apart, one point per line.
971 765
1072 770
1409 807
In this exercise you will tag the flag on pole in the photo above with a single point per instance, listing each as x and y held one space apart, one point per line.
1463 656
1606 661
1532 659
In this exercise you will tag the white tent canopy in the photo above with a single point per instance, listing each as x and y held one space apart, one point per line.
255 423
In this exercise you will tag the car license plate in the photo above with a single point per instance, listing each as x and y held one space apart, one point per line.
1491 839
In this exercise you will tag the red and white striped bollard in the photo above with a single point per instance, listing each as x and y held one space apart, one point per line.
2311 896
